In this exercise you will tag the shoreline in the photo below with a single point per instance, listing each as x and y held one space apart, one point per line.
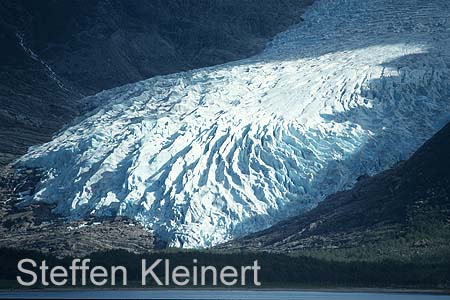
220 289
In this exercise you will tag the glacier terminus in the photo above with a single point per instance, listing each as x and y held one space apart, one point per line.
203 156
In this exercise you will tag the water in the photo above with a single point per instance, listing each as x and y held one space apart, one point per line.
217 294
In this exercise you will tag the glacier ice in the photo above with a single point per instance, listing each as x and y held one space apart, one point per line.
210 154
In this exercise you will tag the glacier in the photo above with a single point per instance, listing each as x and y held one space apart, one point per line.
203 156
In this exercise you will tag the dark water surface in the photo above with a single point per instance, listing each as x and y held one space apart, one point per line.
217 294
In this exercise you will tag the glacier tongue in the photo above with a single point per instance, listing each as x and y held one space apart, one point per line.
209 154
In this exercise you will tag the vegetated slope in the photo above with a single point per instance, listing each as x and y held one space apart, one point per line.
410 202
53 52
278 271
207 155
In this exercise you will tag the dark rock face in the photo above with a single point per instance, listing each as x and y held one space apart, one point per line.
32 105
54 52
412 198
103 44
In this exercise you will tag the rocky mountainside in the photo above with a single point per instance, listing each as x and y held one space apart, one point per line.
33 101
54 52
411 201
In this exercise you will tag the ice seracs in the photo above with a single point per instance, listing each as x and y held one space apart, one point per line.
209 154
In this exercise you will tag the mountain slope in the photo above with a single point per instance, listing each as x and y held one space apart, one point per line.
102 44
210 154
411 197
33 105
53 52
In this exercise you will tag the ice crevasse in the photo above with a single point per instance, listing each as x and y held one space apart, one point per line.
206 155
